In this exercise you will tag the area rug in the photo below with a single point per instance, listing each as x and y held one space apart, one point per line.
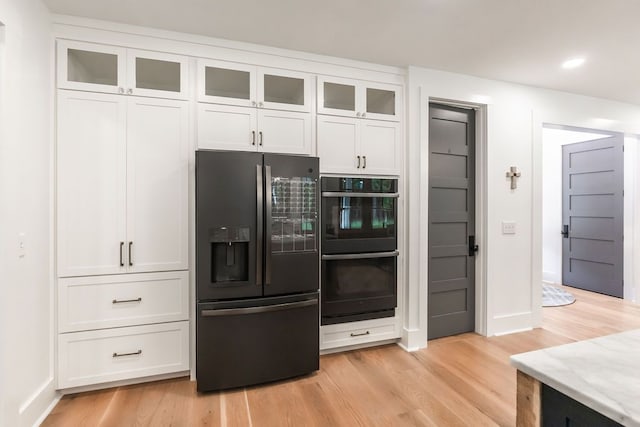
553 296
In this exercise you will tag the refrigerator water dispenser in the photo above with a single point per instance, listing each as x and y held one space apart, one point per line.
229 254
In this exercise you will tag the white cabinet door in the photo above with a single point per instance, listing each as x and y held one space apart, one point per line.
380 147
339 97
91 186
227 128
284 132
91 67
226 83
337 144
157 74
157 184
283 90
381 101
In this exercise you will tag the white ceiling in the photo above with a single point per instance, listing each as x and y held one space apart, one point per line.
522 41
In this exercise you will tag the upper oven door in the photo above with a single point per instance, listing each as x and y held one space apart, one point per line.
360 215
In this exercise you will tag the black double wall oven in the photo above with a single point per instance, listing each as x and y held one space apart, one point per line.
359 248
256 268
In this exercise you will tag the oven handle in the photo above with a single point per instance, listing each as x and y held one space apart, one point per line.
349 194
361 256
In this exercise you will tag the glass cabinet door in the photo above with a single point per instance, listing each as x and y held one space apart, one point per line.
226 83
157 74
91 67
337 97
382 102
284 90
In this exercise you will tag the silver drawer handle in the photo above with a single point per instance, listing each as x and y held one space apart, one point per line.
135 353
359 335
121 301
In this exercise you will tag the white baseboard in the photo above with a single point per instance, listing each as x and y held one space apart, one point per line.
37 407
412 339
511 323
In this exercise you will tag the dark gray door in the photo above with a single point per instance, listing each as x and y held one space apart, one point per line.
592 215
451 220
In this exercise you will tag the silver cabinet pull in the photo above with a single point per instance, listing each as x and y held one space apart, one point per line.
135 353
364 160
260 137
357 114
130 91
360 334
121 260
130 255
260 104
253 103
253 137
358 162
122 301
363 115
120 90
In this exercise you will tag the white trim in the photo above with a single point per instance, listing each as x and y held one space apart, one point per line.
413 336
121 383
511 323
40 403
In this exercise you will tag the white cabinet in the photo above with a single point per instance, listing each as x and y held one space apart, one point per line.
113 69
245 85
361 146
345 335
122 182
249 108
98 302
249 129
359 99
94 357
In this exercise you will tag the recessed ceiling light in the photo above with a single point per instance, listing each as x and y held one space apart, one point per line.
572 63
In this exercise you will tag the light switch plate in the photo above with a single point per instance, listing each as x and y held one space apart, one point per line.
508 227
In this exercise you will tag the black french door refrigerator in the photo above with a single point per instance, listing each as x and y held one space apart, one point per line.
257 268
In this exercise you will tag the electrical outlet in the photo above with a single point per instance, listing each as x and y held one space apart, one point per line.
508 227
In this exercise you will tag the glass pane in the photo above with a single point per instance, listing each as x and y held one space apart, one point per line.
360 278
381 101
158 75
285 90
359 217
92 67
340 97
294 214
227 83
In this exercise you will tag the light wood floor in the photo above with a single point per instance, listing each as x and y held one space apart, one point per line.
457 381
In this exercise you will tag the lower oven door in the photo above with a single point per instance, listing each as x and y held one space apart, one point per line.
358 286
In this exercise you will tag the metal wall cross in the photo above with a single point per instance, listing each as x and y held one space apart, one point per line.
514 175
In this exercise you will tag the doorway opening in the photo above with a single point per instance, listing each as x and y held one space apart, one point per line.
583 209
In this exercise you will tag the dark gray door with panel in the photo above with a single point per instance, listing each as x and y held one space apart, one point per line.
592 215
451 221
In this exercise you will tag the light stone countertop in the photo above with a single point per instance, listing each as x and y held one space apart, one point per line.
602 373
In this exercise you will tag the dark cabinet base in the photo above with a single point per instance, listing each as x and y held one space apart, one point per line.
248 342
559 410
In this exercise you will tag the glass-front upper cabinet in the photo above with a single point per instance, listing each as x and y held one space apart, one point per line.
360 99
245 85
112 69
91 67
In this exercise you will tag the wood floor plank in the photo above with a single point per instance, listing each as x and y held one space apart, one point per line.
456 381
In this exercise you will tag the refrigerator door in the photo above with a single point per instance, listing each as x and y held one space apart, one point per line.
229 225
291 224
241 343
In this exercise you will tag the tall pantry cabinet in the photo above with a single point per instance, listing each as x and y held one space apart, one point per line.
122 214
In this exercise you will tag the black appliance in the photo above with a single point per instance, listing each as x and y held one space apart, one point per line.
359 248
256 268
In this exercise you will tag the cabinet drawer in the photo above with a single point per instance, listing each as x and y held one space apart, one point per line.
122 300
116 354
347 334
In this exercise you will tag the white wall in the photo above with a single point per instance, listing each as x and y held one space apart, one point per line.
26 302
552 141
509 265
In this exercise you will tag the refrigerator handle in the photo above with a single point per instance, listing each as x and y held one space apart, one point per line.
267 234
259 224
